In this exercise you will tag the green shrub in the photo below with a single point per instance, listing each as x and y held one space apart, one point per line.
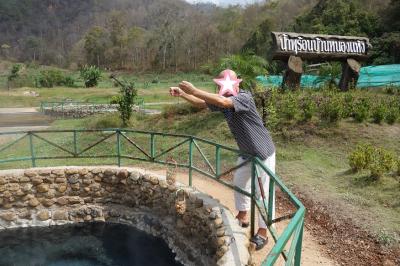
361 110
379 112
377 160
361 157
393 113
105 121
348 104
91 76
272 119
179 109
52 77
382 162
14 72
309 108
331 108
289 106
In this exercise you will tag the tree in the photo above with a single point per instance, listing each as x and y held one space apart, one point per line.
96 43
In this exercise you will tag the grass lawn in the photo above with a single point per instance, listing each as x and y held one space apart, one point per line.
152 87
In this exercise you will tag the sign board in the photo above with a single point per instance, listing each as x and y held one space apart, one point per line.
318 46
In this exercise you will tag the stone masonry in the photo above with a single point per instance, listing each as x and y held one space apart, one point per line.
202 233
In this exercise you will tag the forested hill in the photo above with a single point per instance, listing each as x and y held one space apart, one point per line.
133 34
175 35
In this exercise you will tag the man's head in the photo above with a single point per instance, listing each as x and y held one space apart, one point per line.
228 83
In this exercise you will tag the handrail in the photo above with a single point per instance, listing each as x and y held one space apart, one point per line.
148 150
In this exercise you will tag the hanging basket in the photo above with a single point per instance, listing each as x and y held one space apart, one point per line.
171 171
180 201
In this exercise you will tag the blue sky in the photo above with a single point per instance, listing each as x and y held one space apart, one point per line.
225 2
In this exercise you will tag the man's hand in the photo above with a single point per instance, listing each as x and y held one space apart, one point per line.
175 91
187 87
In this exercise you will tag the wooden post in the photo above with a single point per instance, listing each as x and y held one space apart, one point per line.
292 76
350 74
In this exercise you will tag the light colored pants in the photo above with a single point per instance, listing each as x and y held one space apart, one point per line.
242 179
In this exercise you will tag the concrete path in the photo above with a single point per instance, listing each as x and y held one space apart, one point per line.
16 119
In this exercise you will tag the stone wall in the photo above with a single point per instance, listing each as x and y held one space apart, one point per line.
205 233
82 110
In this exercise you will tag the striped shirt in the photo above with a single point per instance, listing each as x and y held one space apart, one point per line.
246 126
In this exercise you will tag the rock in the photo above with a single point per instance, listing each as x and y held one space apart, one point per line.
109 172
8 216
61 180
134 176
37 180
33 202
44 172
7 195
48 202
123 174
42 188
43 215
75 186
87 189
73 179
220 232
218 221
27 187
25 214
83 171
198 203
62 188
13 187
71 171
23 179
98 178
30 173
87 181
58 172
3 181
74 200
87 218
60 215
62 201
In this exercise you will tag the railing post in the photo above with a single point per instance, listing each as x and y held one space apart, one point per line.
297 255
152 147
253 197
191 161
75 145
119 148
32 150
217 160
271 200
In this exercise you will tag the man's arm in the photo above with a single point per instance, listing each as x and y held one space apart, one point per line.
207 97
177 92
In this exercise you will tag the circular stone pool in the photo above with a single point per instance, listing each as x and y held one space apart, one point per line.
84 244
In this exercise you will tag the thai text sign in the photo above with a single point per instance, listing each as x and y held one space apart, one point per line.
313 46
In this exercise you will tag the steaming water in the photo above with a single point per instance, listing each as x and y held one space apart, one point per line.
87 244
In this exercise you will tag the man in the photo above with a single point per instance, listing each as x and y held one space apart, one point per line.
250 134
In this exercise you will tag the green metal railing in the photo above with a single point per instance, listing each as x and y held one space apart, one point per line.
120 145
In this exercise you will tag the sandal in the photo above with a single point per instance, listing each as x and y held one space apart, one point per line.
259 241
242 223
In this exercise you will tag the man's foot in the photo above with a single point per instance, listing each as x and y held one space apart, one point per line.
243 224
259 241
242 219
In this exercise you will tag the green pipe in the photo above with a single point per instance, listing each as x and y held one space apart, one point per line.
217 160
75 144
253 193
118 149
32 150
191 162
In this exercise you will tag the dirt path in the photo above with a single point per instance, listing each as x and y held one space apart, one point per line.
16 119
312 253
